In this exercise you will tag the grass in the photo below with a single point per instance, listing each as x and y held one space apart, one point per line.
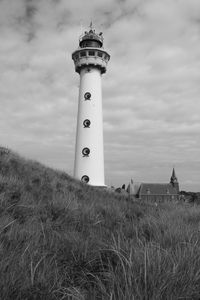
60 239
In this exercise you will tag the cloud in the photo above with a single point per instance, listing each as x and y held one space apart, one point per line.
150 91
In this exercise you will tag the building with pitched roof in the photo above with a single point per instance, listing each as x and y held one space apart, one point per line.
155 191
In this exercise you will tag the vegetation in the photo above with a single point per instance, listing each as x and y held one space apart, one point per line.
190 197
60 239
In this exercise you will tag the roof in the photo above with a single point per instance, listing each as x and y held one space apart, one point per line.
173 177
157 189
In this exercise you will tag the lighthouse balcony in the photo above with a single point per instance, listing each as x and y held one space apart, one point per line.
90 57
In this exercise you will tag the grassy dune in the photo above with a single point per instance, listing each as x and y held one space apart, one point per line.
60 239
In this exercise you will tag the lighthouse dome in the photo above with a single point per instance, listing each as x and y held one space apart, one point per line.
91 39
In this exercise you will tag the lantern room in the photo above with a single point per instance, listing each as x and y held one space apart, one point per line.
91 39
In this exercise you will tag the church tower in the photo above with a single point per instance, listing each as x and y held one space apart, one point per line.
174 180
90 61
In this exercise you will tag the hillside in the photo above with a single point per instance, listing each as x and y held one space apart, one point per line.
61 239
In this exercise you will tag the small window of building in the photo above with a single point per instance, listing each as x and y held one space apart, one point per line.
85 179
87 96
91 53
86 151
86 123
83 53
100 54
148 191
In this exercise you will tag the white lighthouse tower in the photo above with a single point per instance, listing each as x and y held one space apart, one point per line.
90 61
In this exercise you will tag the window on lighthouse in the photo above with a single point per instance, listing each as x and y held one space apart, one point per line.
83 53
91 53
86 123
87 96
85 179
76 57
86 151
100 54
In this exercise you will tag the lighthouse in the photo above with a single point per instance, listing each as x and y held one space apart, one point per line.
90 60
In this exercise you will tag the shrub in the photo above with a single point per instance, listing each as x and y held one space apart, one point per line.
61 239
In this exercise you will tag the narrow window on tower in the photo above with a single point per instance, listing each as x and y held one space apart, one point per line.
86 123
87 96
86 151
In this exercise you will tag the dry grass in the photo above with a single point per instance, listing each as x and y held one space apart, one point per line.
60 239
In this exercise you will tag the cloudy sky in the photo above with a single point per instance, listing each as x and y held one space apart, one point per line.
151 89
